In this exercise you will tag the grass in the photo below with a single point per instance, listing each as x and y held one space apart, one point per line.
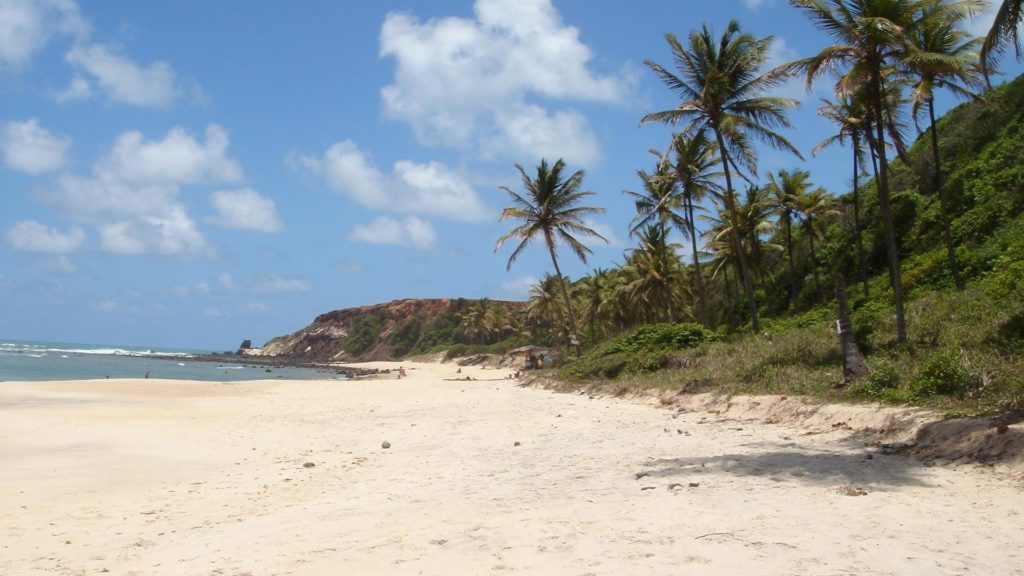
965 355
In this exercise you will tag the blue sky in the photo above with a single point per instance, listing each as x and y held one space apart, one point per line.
192 173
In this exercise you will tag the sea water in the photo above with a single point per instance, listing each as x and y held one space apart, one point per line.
20 360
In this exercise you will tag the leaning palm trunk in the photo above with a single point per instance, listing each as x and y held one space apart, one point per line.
788 223
853 362
885 204
814 259
565 294
954 267
696 262
856 219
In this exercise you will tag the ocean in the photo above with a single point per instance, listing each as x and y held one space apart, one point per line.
33 361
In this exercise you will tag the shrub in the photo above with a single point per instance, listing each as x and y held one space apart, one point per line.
943 373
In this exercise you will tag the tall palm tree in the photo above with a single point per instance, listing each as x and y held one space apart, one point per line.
871 37
785 191
694 163
657 206
722 92
550 210
848 113
1005 28
944 56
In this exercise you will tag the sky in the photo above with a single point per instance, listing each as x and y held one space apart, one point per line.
190 174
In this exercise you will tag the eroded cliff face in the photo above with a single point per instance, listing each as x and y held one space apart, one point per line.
370 332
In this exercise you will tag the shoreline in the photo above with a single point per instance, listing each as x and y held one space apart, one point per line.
478 476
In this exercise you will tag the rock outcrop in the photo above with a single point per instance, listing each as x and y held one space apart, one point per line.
378 332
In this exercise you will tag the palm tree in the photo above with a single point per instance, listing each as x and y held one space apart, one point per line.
594 290
811 205
657 277
849 114
542 306
722 92
1004 29
550 209
943 57
695 158
656 206
872 37
785 191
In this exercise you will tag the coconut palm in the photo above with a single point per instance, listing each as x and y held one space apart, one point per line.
813 205
871 38
722 92
542 306
657 206
785 191
550 210
848 113
944 56
694 162
1005 29
658 280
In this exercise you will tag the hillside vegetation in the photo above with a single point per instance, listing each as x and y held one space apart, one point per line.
964 349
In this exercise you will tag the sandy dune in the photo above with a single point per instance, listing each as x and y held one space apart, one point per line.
481 477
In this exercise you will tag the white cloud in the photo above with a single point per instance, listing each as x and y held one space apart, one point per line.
754 4
79 89
246 209
519 287
177 158
35 237
426 189
27 25
30 148
272 283
410 231
468 83
133 195
169 233
121 78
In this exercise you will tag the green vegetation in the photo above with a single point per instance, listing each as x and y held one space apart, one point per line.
930 239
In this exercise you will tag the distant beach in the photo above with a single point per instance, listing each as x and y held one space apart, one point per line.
35 361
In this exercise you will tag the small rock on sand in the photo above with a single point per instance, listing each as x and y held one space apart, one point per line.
309 465
385 445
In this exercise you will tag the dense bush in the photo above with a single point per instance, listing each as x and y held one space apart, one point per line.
646 349
362 335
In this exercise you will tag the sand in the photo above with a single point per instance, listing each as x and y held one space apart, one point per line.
481 477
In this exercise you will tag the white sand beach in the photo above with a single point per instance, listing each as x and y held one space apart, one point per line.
481 477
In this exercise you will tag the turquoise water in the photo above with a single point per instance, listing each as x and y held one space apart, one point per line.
20 360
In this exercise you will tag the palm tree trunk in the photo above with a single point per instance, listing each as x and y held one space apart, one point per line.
853 362
664 270
809 224
688 200
730 206
885 204
565 295
954 267
856 218
789 252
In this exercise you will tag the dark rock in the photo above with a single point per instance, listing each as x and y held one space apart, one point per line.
385 445
309 465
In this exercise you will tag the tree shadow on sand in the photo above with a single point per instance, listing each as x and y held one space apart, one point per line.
789 463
